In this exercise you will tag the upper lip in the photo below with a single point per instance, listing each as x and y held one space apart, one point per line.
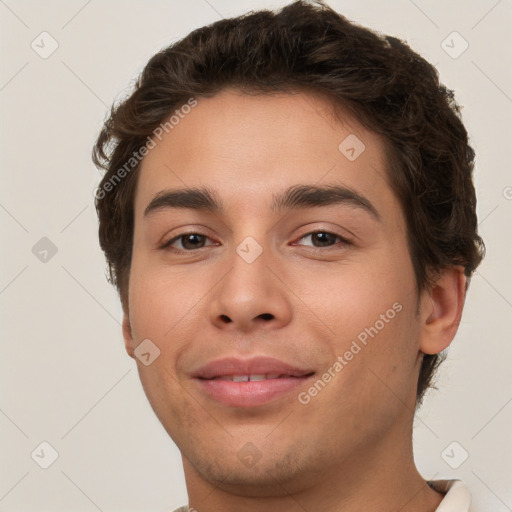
254 366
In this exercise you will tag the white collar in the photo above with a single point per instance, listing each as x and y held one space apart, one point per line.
457 498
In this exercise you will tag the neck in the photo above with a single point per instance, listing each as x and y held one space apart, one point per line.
377 476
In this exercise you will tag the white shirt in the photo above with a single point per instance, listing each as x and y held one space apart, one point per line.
457 498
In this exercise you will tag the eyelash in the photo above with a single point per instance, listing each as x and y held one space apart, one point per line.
167 245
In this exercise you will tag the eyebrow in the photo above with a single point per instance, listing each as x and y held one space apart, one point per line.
295 197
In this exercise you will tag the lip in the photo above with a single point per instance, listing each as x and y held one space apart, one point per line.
251 393
253 366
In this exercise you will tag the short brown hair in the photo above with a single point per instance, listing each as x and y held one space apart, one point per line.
304 46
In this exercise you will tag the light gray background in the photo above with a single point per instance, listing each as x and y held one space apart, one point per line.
65 377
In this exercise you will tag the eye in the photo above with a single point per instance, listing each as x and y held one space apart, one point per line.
324 239
192 241
188 242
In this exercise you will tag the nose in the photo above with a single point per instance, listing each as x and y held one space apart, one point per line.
250 295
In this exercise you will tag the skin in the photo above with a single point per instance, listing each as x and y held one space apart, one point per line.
349 448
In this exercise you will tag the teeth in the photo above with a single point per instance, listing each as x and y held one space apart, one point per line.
247 378
257 377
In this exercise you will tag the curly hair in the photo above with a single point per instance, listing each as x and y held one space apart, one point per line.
390 89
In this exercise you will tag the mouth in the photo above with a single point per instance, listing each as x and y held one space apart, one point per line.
252 378
250 390
250 383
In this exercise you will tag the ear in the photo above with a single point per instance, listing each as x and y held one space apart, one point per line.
441 310
127 335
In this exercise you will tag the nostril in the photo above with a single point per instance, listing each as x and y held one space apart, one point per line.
267 316
225 319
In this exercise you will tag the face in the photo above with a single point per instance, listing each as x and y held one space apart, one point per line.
319 281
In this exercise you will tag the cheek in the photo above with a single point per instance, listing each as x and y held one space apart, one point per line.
369 310
162 301
371 374
162 310
350 298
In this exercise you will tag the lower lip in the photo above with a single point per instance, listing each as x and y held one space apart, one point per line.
250 394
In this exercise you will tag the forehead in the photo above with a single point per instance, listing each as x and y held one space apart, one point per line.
248 146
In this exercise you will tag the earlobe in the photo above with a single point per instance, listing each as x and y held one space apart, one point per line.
442 310
127 335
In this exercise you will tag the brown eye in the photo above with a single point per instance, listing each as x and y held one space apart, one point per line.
324 239
188 242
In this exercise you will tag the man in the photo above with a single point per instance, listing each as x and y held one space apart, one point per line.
289 217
